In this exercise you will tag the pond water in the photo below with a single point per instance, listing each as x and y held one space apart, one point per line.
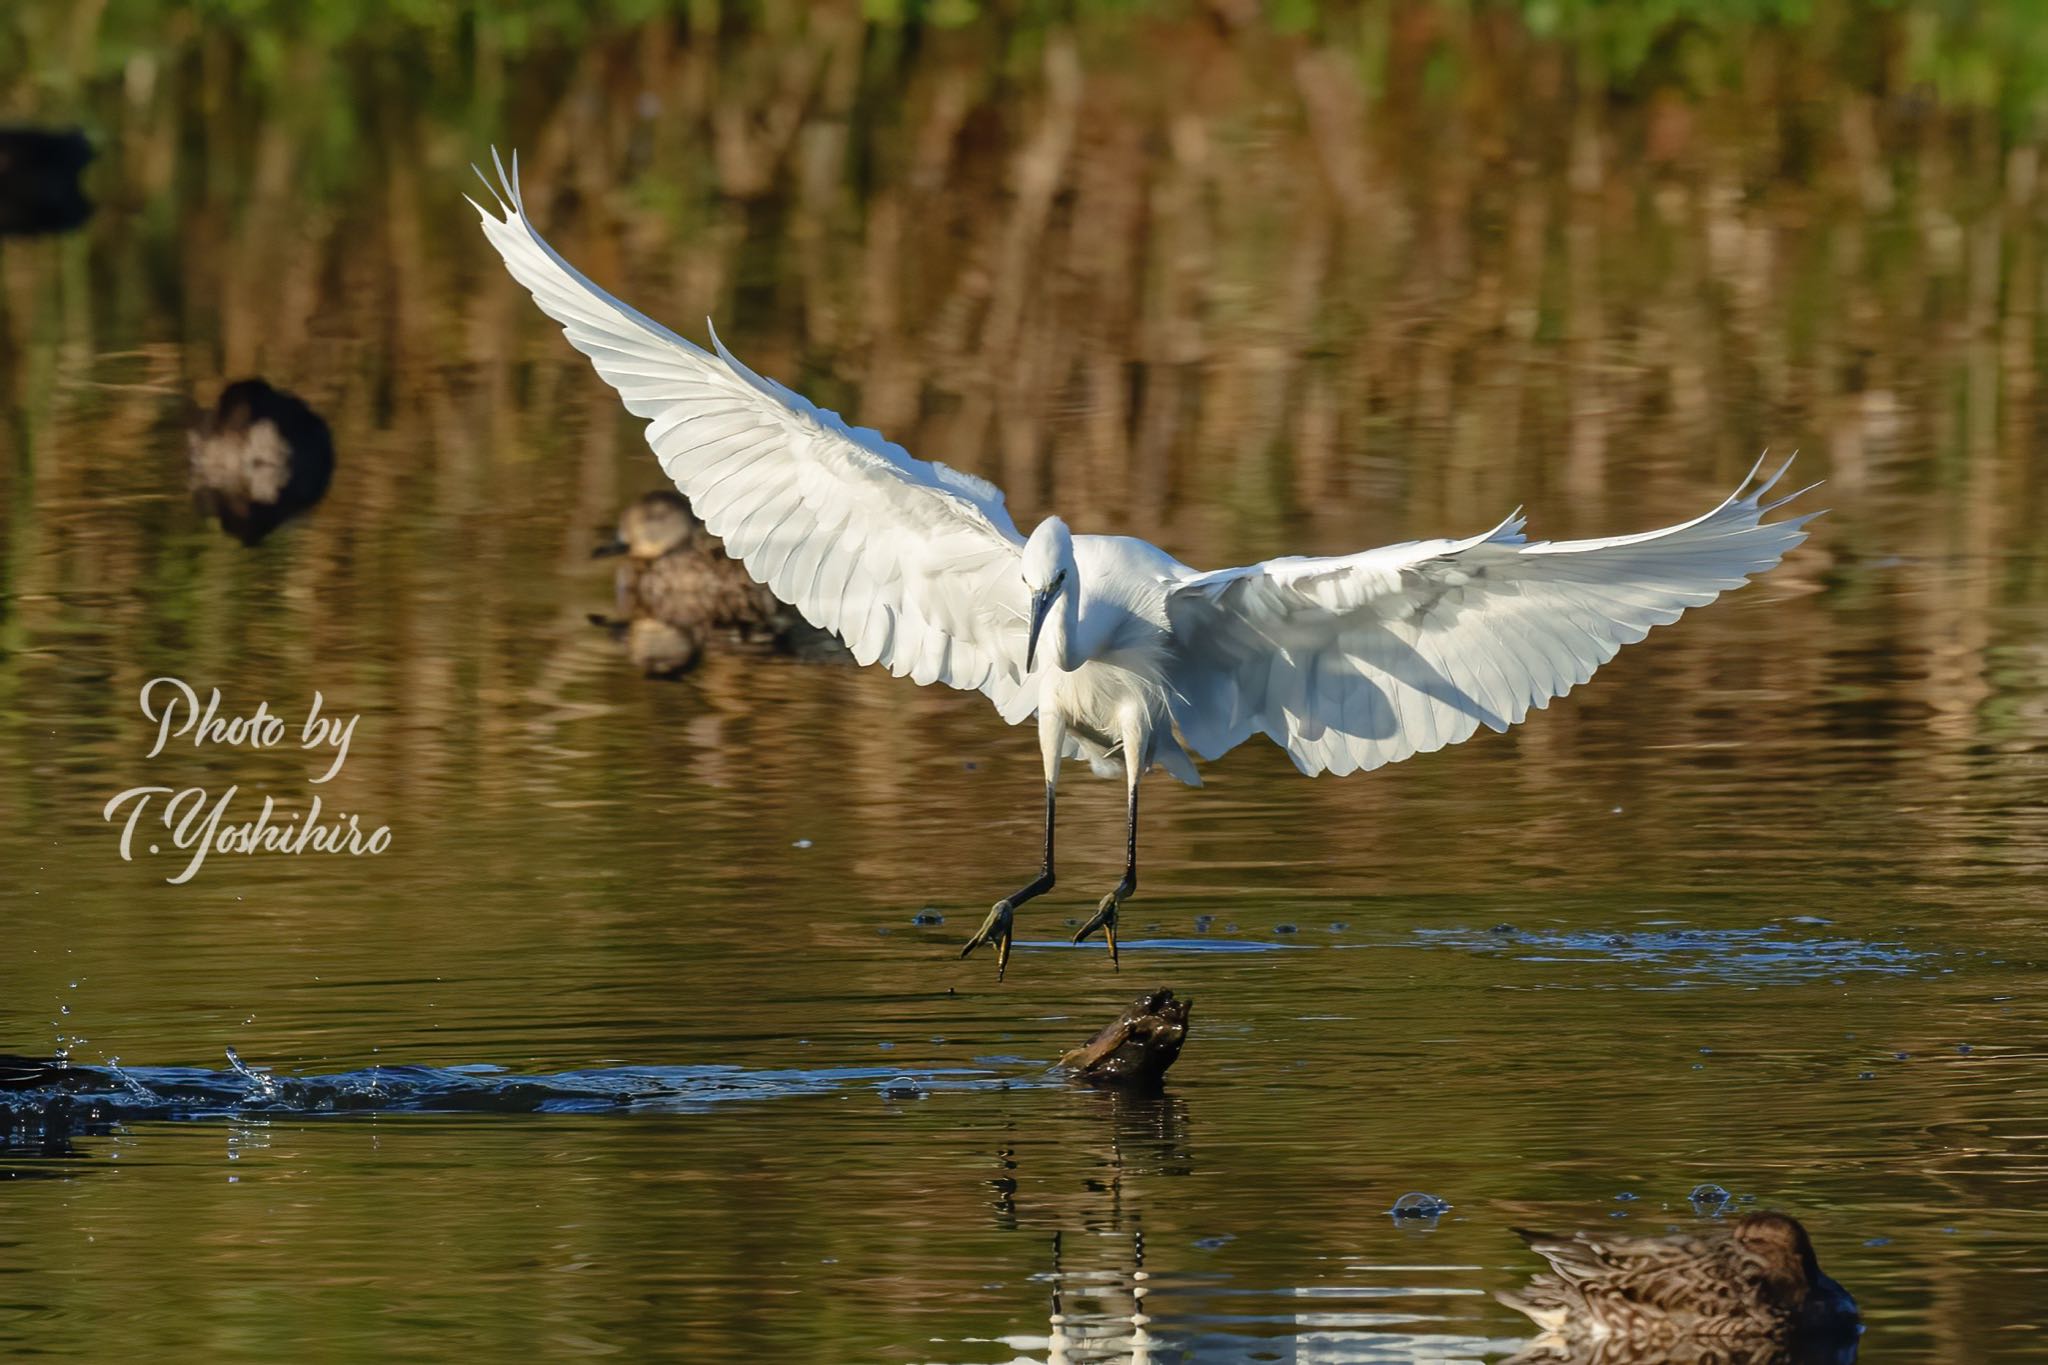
648 1035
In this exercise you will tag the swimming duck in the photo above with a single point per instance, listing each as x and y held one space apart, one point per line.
678 584
39 190
1748 1291
258 459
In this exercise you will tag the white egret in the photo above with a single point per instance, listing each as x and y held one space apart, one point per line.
1127 657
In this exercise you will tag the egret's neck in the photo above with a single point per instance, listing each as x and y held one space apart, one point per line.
1060 642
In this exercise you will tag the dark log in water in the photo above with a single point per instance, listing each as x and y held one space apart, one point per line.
1137 1046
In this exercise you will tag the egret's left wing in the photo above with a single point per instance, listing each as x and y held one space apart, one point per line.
914 565
1361 660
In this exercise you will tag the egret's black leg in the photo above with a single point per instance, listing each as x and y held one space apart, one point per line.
996 929
1105 913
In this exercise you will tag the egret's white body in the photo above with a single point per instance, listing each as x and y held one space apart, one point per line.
1125 656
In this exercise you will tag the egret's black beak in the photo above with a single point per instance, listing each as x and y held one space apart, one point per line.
614 546
1041 603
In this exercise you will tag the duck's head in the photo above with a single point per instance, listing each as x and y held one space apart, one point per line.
1792 1272
653 525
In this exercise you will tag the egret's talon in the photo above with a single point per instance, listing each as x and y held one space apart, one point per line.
1104 919
996 930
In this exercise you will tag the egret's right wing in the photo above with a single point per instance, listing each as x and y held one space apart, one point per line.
914 565
1359 660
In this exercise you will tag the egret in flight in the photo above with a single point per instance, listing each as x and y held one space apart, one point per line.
1126 657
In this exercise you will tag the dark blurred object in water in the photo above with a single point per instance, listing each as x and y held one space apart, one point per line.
259 458
677 585
27 1073
35 1127
1137 1046
39 189
1747 1292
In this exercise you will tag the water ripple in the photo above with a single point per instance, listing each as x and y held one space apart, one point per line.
1763 954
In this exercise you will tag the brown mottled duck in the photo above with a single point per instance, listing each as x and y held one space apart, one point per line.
677 586
1750 1289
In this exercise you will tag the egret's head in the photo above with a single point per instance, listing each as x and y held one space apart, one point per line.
1048 572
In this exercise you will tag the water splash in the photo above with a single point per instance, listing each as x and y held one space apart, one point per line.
256 1076
1709 1200
40 1097
1419 1208
135 1087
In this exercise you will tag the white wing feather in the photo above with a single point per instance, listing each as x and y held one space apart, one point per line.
1357 661
916 566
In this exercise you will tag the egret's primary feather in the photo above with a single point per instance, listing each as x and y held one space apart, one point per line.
1356 661
912 563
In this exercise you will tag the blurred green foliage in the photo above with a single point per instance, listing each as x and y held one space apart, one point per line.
1964 52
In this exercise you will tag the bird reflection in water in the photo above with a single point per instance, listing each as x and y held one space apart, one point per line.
1614 1351
1099 1315
1099 1284
260 458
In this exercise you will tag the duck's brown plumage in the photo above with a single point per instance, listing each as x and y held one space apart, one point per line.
1750 1283
1685 1351
677 573
677 586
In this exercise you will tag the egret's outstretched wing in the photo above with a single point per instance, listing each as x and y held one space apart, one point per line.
1362 660
913 564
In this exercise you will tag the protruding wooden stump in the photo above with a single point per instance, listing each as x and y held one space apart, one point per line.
1137 1046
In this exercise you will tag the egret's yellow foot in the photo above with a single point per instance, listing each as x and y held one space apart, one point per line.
995 930
1104 919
